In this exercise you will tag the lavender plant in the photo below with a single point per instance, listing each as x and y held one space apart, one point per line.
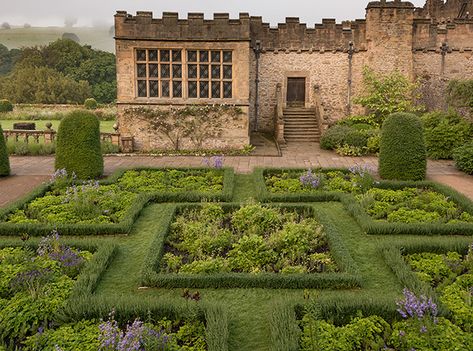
412 306
310 180
216 162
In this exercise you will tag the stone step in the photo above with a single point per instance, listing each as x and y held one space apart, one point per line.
304 122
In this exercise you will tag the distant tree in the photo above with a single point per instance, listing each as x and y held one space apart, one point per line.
71 36
70 22
42 85
6 25
8 59
64 55
27 25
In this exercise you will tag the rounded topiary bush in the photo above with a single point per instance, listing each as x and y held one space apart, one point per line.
90 104
78 145
5 106
4 162
402 154
463 157
334 137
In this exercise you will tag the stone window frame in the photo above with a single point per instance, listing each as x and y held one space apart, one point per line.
150 83
163 73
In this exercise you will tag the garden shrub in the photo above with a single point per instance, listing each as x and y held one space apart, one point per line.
463 157
78 147
334 137
443 132
90 104
402 154
4 161
5 106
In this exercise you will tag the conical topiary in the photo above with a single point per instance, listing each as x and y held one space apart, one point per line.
4 161
78 145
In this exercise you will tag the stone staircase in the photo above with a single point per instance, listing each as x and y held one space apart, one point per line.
300 125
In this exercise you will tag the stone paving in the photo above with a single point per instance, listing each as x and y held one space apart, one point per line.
29 172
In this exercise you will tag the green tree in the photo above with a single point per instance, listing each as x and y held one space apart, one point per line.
387 94
42 85
460 94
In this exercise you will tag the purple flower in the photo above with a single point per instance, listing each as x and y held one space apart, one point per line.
310 180
402 333
361 170
214 162
423 329
412 306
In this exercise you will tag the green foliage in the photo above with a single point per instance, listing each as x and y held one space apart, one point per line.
5 106
384 95
334 137
463 157
22 148
443 132
90 104
259 239
42 85
460 93
411 205
402 153
4 161
33 287
78 145
359 122
7 59
279 182
285 331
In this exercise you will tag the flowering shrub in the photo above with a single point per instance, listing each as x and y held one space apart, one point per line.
252 239
214 161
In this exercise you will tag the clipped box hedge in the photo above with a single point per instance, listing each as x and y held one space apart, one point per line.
348 277
124 227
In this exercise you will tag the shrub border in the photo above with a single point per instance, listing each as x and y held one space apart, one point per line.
348 278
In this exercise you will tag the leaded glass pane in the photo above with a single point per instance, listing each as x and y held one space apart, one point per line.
216 71
153 55
204 56
141 70
177 71
140 55
192 56
227 72
192 89
164 55
165 73
227 90
165 88
153 88
204 89
216 89
191 71
177 88
176 56
142 88
227 56
215 56
153 70
204 71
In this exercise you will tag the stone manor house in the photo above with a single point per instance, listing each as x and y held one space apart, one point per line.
291 80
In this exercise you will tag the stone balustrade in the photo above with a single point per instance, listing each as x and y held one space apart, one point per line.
48 136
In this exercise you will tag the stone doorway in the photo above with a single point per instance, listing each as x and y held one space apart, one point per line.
295 92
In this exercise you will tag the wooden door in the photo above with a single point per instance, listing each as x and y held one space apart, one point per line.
295 92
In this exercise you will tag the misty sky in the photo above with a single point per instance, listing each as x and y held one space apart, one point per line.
89 12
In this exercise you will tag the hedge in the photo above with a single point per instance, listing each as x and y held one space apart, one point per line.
371 226
463 157
348 278
5 105
78 147
402 154
4 161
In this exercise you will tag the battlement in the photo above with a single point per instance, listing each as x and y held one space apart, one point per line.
396 4
430 35
292 34
143 26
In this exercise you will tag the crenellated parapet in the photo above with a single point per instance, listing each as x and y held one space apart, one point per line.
430 36
294 35
143 26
